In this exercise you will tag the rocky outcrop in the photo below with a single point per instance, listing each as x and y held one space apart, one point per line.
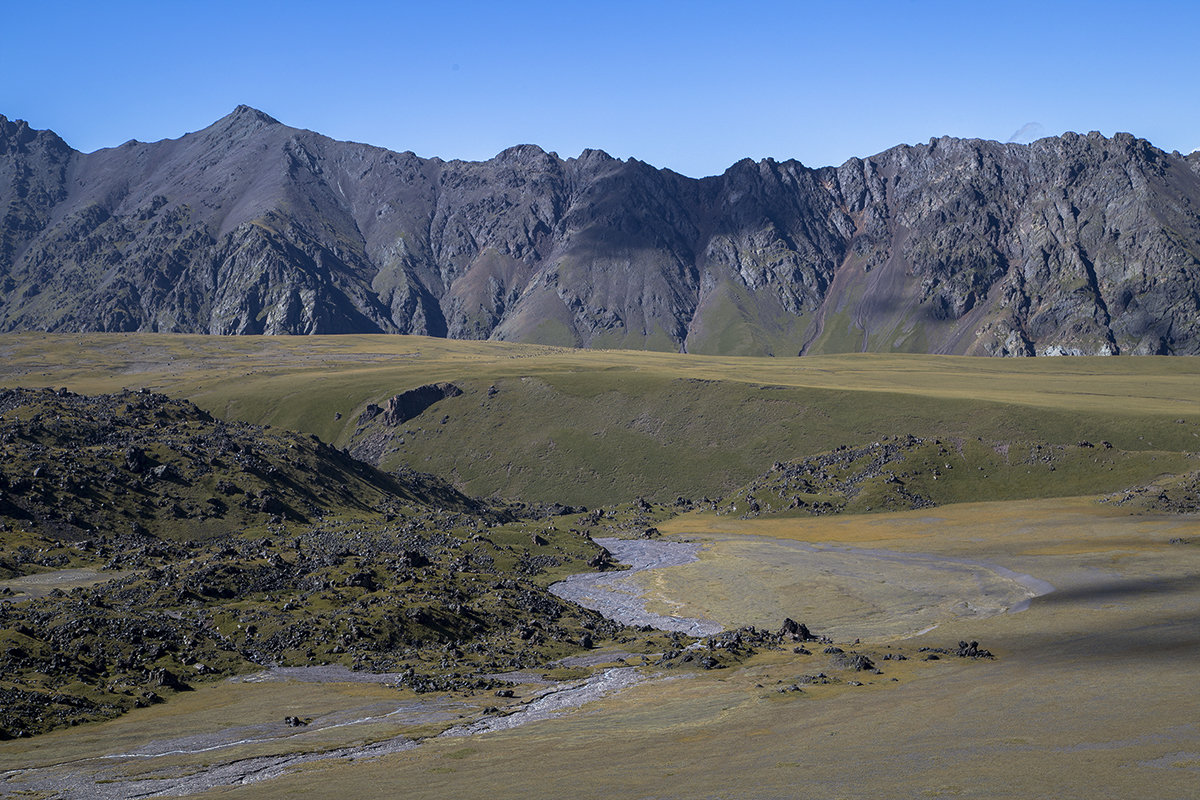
408 405
1069 245
1168 494
143 463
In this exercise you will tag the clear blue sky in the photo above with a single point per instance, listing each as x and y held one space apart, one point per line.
693 86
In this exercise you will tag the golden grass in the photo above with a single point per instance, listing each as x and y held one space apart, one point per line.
252 710
281 366
1092 696
1058 526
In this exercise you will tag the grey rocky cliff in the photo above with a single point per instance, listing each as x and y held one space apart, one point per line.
1073 244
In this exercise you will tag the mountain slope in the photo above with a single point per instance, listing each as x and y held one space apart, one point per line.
1075 244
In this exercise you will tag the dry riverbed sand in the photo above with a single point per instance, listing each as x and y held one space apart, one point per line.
1092 694
620 595
134 760
40 584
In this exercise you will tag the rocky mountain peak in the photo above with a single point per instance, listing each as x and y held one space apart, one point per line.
529 155
590 155
243 120
16 135
248 115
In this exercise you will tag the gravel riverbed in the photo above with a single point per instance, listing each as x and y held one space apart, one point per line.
110 777
618 596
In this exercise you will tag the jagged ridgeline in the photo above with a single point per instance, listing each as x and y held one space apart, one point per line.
1072 244
146 546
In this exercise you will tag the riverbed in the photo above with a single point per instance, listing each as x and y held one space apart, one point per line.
724 581
249 753
619 595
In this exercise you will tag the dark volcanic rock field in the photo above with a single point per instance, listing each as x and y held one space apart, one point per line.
222 547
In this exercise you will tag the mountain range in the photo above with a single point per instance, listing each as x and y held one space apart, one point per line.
1070 245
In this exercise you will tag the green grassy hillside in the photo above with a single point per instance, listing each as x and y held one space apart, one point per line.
909 473
588 427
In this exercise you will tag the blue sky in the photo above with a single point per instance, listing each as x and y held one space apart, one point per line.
692 86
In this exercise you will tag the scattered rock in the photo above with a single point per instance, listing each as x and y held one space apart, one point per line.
135 459
856 662
167 679
798 631
165 472
971 650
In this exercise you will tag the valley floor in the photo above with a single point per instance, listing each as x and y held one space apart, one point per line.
1091 694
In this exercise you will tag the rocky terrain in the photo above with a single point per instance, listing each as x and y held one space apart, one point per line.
1069 245
147 546
1170 494
220 547
141 463
908 472
201 549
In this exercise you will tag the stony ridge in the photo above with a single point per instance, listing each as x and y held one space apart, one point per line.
898 473
1069 245
141 463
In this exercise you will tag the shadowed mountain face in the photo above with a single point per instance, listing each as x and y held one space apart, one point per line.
1076 244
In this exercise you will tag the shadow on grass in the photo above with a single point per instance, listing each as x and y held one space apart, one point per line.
1169 629
1117 589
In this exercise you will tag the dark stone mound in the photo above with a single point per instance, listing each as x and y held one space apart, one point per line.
414 402
797 630
854 661
972 650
